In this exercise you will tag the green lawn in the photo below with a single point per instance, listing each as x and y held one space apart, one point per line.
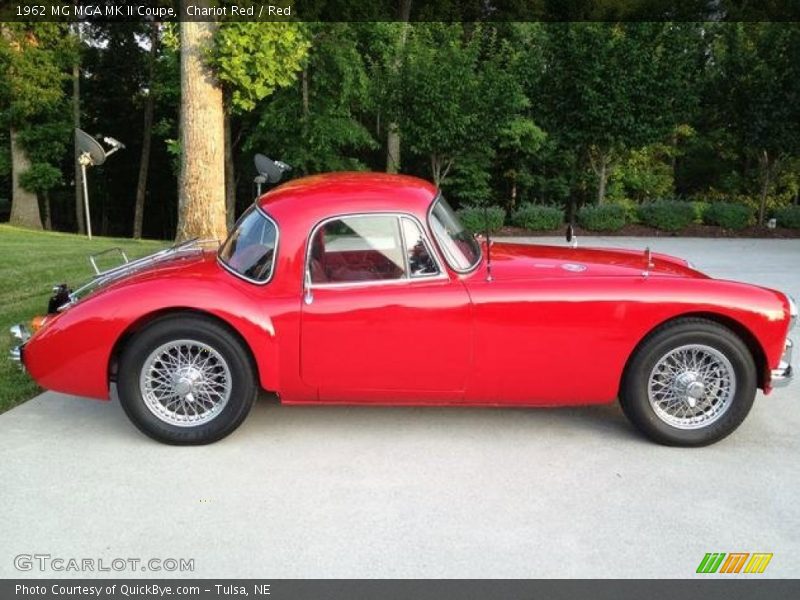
31 262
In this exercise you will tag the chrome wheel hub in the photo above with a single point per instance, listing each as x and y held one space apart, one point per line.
188 381
691 386
185 383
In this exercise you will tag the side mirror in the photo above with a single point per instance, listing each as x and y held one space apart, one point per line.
572 240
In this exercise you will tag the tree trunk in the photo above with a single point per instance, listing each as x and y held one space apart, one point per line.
436 169
76 123
764 164
201 183
393 128
674 157
104 210
48 220
603 177
147 136
24 204
440 167
304 92
600 160
230 176
513 192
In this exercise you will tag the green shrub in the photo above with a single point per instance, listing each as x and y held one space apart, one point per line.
788 216
475 218
667 215
606 217
631 208
728 215
700 208
537 217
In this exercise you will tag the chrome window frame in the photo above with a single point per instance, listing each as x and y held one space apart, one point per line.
442 247
233 271
425 242
308 284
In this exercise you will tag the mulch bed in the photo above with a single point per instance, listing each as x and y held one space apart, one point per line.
633 230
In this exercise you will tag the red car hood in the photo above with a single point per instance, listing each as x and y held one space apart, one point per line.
521 261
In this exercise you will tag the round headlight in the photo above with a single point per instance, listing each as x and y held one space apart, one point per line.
792 312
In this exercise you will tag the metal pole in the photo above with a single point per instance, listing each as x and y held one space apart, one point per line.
88 217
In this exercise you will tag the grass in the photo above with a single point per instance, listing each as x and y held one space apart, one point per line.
31 263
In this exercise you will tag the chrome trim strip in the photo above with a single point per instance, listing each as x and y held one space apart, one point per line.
782 376
123 270
441 247
231 270
442 275
93 259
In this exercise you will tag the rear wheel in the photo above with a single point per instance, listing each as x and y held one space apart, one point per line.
691 383
186 380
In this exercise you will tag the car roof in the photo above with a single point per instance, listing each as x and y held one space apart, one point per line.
319 196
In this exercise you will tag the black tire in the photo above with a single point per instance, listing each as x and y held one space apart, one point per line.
688 331
243 390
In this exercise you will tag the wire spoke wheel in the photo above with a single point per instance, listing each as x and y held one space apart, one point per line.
692 386
185 383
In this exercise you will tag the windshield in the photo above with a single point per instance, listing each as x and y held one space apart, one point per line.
249 250
458 246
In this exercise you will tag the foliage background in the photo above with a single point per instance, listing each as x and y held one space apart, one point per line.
508 114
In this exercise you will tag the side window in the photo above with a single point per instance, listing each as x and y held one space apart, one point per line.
420 257
358 248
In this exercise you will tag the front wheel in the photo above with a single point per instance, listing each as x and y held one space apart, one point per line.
186 379
691 383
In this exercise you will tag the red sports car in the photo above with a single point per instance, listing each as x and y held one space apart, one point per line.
363 288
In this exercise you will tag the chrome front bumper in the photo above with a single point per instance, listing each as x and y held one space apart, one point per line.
782 376
21 334
15 354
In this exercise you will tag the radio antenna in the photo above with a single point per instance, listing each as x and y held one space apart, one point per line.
488 243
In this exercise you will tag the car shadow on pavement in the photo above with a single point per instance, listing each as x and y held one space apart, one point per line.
54 414
606 421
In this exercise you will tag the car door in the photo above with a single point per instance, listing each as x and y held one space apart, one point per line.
382 320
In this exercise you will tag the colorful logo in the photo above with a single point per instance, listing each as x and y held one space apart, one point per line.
734 562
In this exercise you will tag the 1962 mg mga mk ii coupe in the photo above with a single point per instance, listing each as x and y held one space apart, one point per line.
364 288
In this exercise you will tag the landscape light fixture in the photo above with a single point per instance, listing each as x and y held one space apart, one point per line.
91 154
269 171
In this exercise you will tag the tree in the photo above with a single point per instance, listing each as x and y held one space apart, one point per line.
758 92
147 134
201 183
459 93
315 124
607 90
252 60
393 128
76 123
518 140
113 94
34 58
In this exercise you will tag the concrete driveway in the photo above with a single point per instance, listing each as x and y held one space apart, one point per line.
413 492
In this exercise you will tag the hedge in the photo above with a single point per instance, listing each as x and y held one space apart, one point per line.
667 215
788 216
604 217
728 215
474 218
538 217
